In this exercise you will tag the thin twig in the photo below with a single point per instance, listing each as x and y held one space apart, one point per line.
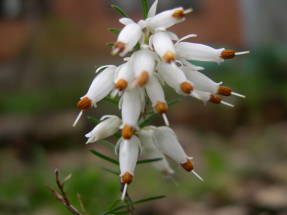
62 196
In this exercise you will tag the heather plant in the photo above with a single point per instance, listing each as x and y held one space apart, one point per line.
153 57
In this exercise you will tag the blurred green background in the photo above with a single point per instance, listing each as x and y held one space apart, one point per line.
48 53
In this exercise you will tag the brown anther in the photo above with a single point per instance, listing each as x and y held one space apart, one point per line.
161 107
169 57
84 104
127 131
188 166
143 78
118 48
121 84
127 178
228 54
223 90
215 99
179 13
186 87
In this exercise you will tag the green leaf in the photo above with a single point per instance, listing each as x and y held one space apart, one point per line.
119 10
114 30
111 171
145 7
112 100
110 44
108 143
104 157
149 160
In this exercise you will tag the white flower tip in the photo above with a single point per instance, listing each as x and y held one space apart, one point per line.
124 192
226 103
165 119
197 175
238 95
78 118
242 53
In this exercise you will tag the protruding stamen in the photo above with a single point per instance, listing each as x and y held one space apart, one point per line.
169 57
143 78
127 178
118 48
186 87
188 166
197 175
242 53
121 84
124 192
215 99
165 119
188 11
161 107
127 131
223 90
78 118
228 54
238 94
84 104
226 103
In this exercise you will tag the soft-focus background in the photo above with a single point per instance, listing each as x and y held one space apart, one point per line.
48 53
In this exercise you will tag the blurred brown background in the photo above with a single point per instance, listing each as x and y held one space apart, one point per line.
48 53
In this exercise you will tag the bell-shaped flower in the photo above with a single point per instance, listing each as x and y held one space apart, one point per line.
131 106
163 46
167 142
200 52
124 77
127 39
156 95
166 19
208 97
143 63
128 156
107 127
99 89
175 78
150 151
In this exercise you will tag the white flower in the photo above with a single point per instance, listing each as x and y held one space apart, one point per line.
200 52
167 142
143 63
208 97
99 89
175 78
150 151
156 94
124 76
166 18
128 156
131 105
127 39
107 127
163 46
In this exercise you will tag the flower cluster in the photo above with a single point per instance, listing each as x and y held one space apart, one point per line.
156 57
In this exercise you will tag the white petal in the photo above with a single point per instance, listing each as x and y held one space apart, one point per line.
201 95
154 91
167 142
104 129
164 19
162 44
150 151
101 85
200 52
128 155
152 10
125 72
131 107
186 37
200 81
126 21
